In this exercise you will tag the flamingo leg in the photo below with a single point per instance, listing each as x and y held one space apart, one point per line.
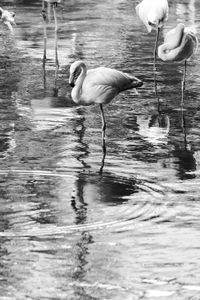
103 139
183 82
183 124
49 11
103 123
103 157
56 34
156 47
45 32
156 93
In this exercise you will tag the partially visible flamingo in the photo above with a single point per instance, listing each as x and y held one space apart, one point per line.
54 4
153 13
180 44
45 32
8 18
98 86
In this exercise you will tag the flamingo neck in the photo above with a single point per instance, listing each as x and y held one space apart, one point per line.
77 90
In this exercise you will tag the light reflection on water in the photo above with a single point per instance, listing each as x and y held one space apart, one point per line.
76 223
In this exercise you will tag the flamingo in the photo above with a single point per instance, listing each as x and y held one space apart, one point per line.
45 32
180 44
153 13
98 86
54 4
8 18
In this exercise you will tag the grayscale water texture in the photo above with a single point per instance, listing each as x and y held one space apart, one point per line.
76 224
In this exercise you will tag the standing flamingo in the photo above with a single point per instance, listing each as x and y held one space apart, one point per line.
98 86
180 44
45 32
54 4
153 13
8 18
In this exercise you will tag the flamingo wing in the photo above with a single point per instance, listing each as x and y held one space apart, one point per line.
178 45
110 77
101 85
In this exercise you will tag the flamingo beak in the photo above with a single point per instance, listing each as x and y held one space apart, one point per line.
72 84
72 79
138 83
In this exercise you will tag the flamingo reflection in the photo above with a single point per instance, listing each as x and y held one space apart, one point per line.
185 153
7 140
79 130
154 129
81 249
90 190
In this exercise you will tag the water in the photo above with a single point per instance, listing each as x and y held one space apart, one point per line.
77 224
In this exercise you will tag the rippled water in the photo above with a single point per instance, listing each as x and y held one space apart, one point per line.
76 223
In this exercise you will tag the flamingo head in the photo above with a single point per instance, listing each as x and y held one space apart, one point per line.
153 21
156 20
75 71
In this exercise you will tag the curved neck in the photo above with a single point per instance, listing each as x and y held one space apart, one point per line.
174 37
77 90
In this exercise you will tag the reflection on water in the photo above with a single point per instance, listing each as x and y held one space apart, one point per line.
184 153
82 221
154 129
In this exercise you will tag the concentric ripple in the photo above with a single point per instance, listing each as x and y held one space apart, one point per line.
90 201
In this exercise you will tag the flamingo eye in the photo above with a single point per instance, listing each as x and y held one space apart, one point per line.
162 20
151 23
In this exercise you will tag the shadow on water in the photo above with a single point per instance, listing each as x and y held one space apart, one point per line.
106 188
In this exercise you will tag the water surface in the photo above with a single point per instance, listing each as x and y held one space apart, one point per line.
76 223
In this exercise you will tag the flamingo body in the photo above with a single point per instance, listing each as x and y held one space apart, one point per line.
153 13
8 18
179 44
99 85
